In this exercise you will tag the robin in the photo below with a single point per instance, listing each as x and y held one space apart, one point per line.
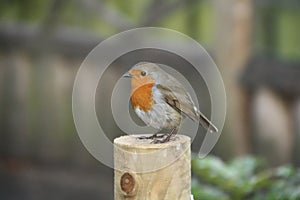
161 101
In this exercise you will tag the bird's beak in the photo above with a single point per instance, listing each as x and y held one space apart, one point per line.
127 75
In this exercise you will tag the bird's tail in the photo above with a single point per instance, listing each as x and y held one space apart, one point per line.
206 123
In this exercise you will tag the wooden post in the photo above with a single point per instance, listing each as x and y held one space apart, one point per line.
152 171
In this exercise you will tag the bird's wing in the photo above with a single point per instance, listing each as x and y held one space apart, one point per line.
181 101
178 99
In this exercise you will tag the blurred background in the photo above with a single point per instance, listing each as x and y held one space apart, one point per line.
43 42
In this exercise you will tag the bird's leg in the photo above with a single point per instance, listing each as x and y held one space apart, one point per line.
151 137
168 137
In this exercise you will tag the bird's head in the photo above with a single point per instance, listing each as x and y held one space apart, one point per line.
142 74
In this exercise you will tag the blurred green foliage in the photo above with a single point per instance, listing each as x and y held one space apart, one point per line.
243 178
276 26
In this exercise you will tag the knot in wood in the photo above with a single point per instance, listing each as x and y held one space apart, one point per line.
127 183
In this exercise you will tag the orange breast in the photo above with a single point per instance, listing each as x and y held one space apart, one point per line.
142 97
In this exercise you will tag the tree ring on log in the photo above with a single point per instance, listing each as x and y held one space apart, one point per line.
128 184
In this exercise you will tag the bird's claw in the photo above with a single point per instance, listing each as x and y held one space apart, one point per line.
150 137
157 141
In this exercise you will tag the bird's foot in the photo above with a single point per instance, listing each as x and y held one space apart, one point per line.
165 137
157 141
154 136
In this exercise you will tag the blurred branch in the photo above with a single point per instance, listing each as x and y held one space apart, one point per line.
269 24
154 5
192 20
52 18
107 13
158 10
67 41
279 75
48 27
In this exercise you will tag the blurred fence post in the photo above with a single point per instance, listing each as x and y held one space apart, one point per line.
232 50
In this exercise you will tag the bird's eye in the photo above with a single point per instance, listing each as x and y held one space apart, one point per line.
143 73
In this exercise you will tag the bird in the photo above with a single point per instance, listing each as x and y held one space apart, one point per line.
161 101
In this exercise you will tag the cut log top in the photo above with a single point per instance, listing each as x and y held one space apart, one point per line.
132 141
